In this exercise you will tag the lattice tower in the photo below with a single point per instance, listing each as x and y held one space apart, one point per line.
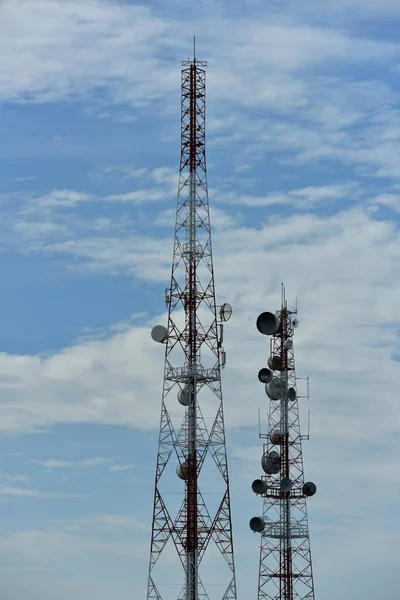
192 454
285 568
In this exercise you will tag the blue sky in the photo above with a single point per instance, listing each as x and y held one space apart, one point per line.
304 178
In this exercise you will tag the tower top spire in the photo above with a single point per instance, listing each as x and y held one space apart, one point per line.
194 61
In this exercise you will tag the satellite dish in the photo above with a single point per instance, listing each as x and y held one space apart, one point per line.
271 463
295 323
259 486
286 484
184 396
309 488
276 389
267 323
257 524
182 470
288 344
291 394
225 312
276 437
275 363
159 333
265 375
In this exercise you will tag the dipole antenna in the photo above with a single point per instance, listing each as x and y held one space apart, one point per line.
285 568
191 455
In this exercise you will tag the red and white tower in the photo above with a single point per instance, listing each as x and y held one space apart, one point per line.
285 570
192 515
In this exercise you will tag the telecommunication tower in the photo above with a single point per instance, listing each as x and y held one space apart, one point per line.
191 452
285 570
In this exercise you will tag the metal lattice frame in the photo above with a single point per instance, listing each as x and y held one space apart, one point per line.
193 360
285 568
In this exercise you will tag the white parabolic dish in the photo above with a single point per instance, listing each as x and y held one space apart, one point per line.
159 333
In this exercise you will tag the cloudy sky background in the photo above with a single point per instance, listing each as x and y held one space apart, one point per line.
304 176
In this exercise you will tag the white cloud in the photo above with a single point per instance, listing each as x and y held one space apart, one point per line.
44 546
34 230
63 198
347 261
311 114
220 219
140 196
23 179
142 256
129 172
130 44
120 468
15 478
107 521
70 50
352 10
99 560
391 201
68 464
348 123
304 198
165 178
8 491
288 47
166 218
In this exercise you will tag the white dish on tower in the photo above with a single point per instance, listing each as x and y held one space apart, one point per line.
159 333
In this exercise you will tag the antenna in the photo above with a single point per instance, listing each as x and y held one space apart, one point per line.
307 397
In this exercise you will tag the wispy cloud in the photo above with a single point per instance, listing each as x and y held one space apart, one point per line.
68 464
352 10
107 521
128 172
388 200
23 179
34 493
304 250
63 198
56 29
24 479
304 198
120 468
140 196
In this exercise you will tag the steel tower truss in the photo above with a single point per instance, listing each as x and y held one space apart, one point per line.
193 360
285 569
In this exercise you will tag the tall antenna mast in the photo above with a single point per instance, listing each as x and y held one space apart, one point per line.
285 569
190 452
